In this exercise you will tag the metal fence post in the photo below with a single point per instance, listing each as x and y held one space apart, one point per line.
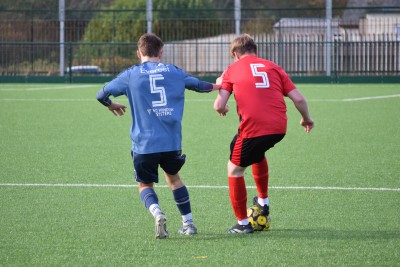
237 17
328 38
61 16
149 15
69 62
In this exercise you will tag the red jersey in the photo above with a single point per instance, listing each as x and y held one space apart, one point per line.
259 87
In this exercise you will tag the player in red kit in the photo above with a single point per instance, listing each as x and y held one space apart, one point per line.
259 87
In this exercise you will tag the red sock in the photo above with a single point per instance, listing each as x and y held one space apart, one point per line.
260 174
238 196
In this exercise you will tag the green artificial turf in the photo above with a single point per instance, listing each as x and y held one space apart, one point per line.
68 197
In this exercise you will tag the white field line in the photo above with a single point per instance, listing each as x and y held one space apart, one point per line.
81 100
354 99
191 100
208 187
321 100
369 98
48 99
46 88
187 100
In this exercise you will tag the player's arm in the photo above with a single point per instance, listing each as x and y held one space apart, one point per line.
103 96
197 85
116 87
216 87
301 104
221 102
206 87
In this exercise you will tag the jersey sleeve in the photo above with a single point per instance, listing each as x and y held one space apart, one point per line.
226 85
104 97
193 83
119 85
197 85
287 83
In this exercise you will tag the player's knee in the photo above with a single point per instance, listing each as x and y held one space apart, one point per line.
235 170
174 181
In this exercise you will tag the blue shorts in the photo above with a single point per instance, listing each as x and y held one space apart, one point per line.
146 165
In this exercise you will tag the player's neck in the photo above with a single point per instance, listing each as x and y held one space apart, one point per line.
150 59
248 54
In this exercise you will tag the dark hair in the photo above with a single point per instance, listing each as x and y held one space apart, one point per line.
150 45
243 44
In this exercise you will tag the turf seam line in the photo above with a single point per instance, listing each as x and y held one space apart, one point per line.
207 186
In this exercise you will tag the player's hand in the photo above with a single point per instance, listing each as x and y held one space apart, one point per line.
225 111
117 109
307 124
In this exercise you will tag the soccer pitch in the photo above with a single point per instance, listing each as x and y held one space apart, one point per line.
68 197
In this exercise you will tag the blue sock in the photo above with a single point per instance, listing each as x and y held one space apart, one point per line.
149 197
181 196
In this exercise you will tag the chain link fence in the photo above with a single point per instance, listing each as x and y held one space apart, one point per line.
198 40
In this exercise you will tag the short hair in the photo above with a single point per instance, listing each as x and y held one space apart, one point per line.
243 44
150 45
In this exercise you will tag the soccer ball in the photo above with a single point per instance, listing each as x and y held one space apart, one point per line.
258 222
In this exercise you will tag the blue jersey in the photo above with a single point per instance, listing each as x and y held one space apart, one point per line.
156 97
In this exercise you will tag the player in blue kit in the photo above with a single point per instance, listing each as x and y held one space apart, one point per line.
156 94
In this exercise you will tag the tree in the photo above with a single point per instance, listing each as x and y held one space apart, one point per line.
125 21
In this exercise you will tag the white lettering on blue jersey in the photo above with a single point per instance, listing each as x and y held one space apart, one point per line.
157 90
157 70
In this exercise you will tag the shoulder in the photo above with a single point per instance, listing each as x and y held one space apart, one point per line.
273 65
177 71
127 71
173 67
134 68
131 68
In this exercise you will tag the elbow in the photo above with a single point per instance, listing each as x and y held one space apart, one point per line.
99 96
299 101
103 98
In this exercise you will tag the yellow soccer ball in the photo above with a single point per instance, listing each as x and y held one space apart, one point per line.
258 222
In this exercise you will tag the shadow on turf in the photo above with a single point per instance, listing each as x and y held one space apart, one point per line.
334 234
320 234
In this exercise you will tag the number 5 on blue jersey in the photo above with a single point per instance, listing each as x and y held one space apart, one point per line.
154 89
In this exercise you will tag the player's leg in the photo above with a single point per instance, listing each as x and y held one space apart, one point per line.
171 163
146 174
260 171
150 200
260 174
238 198
237 188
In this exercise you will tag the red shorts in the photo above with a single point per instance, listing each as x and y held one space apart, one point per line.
247 151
